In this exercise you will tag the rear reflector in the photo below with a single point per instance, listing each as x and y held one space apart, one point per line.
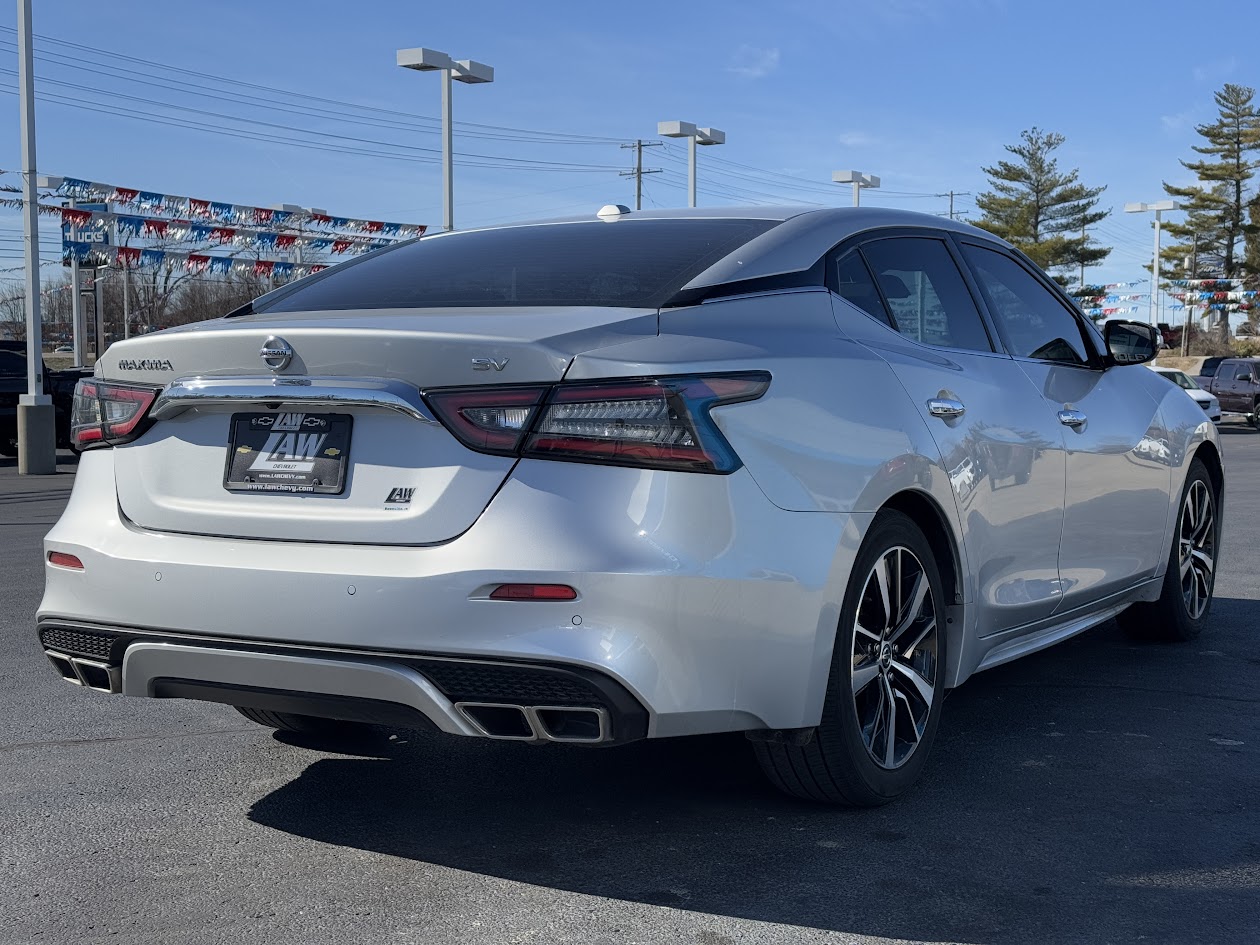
533 592
63 560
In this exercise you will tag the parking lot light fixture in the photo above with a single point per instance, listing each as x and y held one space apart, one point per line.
1159 207
462 70
694 136
858 180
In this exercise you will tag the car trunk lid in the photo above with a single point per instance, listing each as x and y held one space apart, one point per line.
407 480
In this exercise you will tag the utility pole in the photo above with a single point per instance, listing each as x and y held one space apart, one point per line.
638 171
36 435
1083 240
1193 263
76 304
951 195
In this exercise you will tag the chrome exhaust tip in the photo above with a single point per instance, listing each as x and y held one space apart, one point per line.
91 674
580 724
97 675
61 663
575 724
495 720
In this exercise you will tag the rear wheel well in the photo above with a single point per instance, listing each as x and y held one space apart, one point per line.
928 516
1211 458
923 510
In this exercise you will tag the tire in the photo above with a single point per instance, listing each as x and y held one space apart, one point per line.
837 763
302 724
1185 601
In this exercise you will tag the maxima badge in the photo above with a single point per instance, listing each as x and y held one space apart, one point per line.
276 353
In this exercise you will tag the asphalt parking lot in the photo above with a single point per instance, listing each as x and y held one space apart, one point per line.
1098 792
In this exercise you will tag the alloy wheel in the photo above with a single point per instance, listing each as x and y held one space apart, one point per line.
1197 548
895 657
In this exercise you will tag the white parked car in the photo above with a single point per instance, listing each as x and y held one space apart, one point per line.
646 475
1211 406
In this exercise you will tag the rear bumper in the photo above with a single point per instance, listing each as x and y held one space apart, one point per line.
706 606
529 701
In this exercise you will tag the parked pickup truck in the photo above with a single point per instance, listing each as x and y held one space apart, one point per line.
1235 382
58 384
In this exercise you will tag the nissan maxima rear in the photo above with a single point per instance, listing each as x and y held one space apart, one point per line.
791 473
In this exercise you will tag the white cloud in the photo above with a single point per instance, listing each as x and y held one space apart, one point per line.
1215 71
1177 123
856 139
754 63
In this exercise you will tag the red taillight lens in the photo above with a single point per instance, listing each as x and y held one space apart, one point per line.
653 423
488 419
107 413
533 592
63 560
661 423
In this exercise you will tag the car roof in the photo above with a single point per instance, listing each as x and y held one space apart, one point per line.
803 235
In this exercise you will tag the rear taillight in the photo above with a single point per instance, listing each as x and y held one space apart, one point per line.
105 413
488 419
660 423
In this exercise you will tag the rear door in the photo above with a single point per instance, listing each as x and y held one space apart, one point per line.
1003 456
1119 461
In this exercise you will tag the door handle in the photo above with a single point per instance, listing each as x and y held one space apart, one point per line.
1071 417
945 408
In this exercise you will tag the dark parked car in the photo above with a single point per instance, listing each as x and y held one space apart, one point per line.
59 384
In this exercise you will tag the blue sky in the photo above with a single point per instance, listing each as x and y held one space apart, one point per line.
920 92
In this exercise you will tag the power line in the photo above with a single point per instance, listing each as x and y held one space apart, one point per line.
118 111
573 137
566 165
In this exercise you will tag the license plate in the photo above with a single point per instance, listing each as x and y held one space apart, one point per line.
288 452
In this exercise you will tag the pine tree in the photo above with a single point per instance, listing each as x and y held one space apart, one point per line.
1220 230
1040 209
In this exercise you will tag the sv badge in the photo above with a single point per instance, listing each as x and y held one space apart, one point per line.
487 364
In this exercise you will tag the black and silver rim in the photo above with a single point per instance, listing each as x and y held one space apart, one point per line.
1196 553
894 657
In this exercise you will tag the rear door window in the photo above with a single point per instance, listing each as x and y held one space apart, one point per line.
853 282
925 292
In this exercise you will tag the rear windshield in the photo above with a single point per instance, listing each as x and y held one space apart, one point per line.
629 263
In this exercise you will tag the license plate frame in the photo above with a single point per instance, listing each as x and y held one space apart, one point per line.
270 452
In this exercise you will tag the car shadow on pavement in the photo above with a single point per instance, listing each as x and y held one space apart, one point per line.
1097 791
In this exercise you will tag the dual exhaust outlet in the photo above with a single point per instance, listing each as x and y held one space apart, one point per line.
91 674
576 724
527 723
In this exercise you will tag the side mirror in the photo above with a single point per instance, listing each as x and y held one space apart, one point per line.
1131 342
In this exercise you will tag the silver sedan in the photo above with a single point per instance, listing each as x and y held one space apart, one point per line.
793 473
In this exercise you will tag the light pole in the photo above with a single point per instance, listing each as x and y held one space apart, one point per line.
36 435
694 136
463 70
1159 207
858 180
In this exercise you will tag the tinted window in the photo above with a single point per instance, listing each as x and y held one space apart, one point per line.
1035 322
853 283
633 263
12 363
926 293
